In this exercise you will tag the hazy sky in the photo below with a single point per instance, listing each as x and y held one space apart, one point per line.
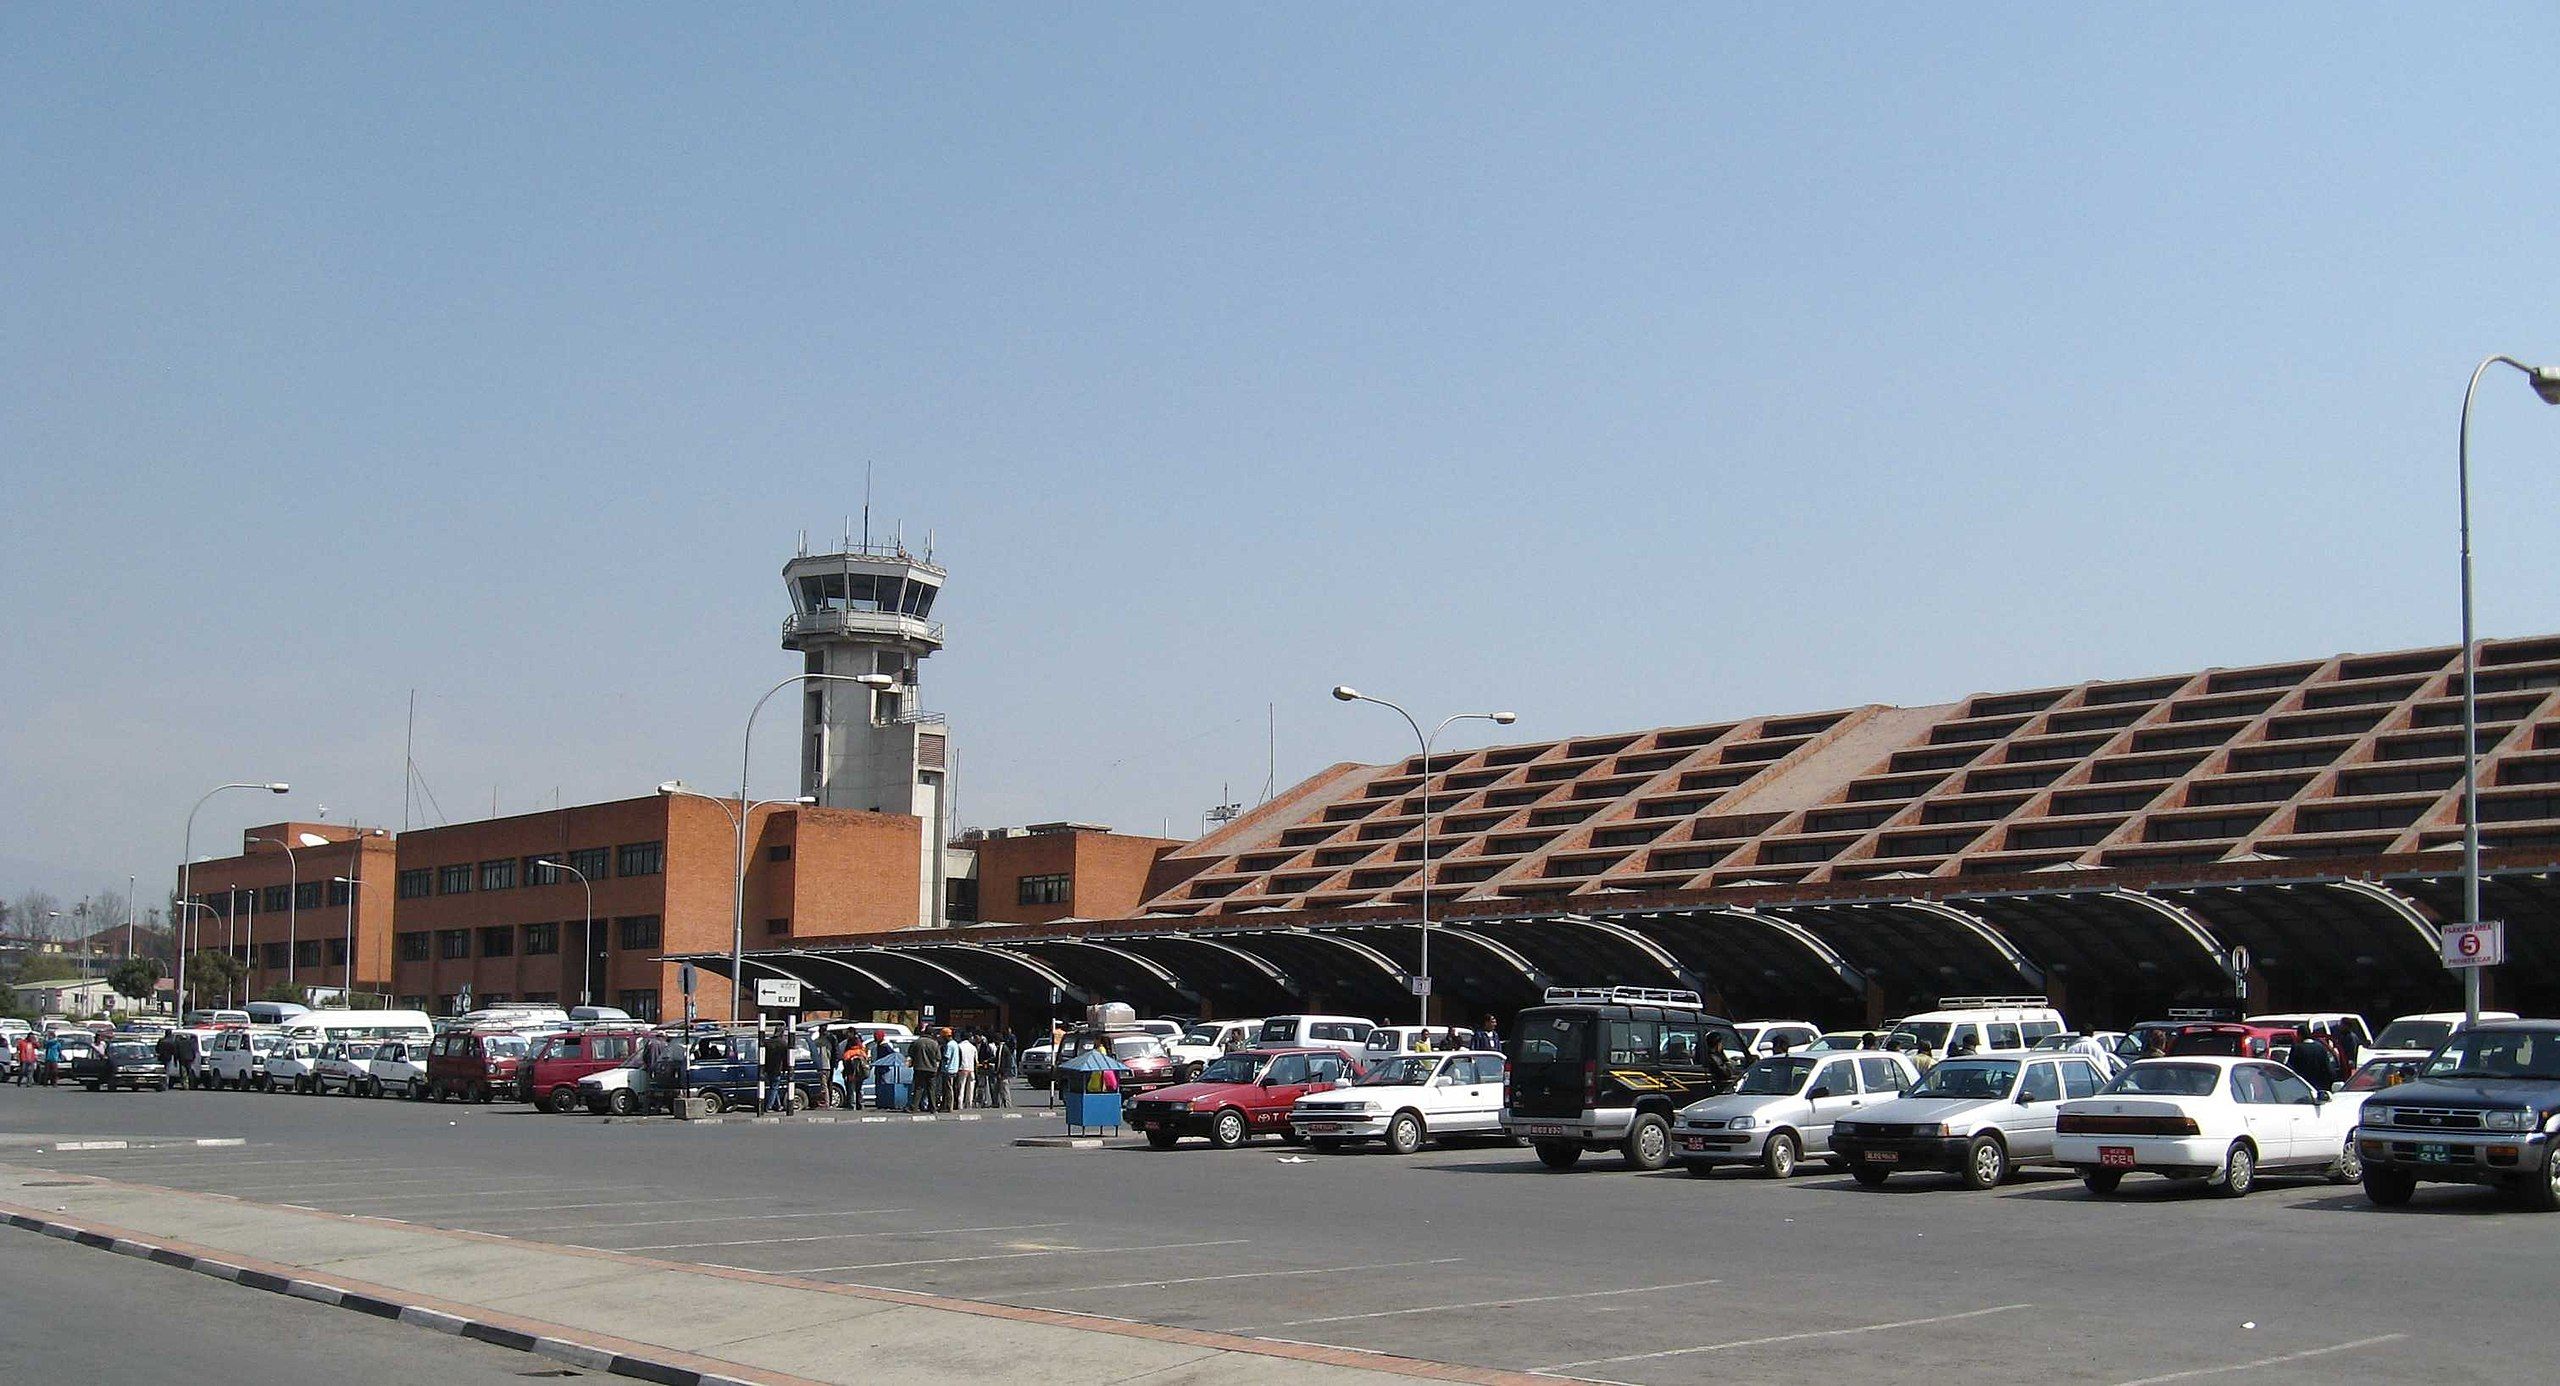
1620 366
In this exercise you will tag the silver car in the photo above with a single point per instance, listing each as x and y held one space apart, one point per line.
1981 1116
1784 1108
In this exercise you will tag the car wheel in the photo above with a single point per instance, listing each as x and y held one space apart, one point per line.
1869 1175
2385 1187
799 1098
2541 1191
1986 1163
2102 1181
1163 1140
1649 1144
1559 1154
1228 1130
1778 1157
266 1082
90 1086
373 1087
625 1102
2349 1167
556 1101
1405 1133
2239 1172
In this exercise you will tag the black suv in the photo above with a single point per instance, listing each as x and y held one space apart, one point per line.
1598 1067
2484 1109
122 1063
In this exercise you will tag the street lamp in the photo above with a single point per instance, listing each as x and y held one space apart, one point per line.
586 933
877 683
1344 692
186 871
2546 383
347 980
738 821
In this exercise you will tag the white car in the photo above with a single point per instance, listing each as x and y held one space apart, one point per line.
1407 1100
1210 1040
238 1059
2222 1120
398 1067
1387 1041
1982 1116
1344 1032
2417 1036
1783 1109
1762 1036
343 1067
291 1065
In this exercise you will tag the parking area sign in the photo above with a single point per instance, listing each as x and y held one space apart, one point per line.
2475 945
778 993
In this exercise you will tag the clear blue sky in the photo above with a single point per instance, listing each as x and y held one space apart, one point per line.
1620 366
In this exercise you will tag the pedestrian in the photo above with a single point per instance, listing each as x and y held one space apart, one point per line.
1780 1043
1001 1071
925 1056
777 1071
2343 1036
962 1061
1057 1052
1717 1063
1924 1055
26 1059
2311 1060
1490 1036
856 1067
1868 1040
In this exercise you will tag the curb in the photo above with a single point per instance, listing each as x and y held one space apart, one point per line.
62 1146
575 1353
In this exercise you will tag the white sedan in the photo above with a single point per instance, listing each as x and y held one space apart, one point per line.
2222 1120
397 1066
1407 1100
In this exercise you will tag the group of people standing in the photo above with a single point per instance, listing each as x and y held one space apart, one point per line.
940 1070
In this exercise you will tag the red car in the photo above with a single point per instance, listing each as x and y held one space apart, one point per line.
549 1077
2231 1039
474 1064
1239 1095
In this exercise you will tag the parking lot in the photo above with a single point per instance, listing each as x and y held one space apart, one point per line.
1474 1255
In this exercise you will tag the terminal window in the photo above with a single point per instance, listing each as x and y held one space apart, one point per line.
540 939
498 941
636 933
1041 890
590 862
499 874
453 943
307 952
454 880
640 859
413 947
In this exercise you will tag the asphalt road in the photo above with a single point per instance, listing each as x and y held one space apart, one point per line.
73 1314
1474 1254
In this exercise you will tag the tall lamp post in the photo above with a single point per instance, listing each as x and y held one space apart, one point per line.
1346 693
187 866
586 932
354 885
292 898
746 744
738 821
2546 383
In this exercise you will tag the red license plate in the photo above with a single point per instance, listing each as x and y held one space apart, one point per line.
1693 1143
2116 1156
1884 1157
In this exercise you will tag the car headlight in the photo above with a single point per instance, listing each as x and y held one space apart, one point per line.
1850 1128
2509 1120
1741 1123
1949 1128
2382 1116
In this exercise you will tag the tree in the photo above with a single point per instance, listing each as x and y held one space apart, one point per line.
281 991
213 970
31 914
135 978
46 967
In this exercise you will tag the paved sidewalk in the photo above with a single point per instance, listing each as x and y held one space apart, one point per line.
664 1320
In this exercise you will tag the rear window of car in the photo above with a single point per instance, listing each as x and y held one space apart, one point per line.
2166 1080
1279 1031
1553 1039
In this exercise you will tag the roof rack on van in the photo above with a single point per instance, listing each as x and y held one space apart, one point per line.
1984 1003
2202 1013
1650 996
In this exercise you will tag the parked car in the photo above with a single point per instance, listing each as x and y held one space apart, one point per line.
1762 1036
1344 1032
475 1064
1840 1041
2390 1071
2222 1120
191 1055
2105 1048
274 1012
1209 1040
548 1076
2231 1039
2417 1036
344 1066
719 1065
1980 1116
1038 1064
2333 1022
1978 1024
1784 1108
1239 1096
60 1051
398 1068
1602 1067
122 1062
292 1064
2480 1112
1408 1099
1150 1063
238 1059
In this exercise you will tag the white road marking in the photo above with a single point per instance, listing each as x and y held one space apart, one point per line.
2267 1361
735 1217
1012 1256
834 1236
1493 1303
1780 1338
1250 1275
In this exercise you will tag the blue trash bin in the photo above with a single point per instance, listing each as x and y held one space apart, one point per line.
1089 1111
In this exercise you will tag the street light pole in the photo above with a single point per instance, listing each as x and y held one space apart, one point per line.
186 872
354 885
746 744
1348 694
292 904
2546 383
586 933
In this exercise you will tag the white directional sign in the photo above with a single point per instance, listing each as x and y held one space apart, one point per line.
778 993
2475 945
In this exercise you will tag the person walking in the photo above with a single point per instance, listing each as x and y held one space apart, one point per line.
1000 1071
1057 1052
925 1055
26 1059
963 1063
857 1070
777 1071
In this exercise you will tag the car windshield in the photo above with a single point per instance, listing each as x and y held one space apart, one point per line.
361 1049
2386 1073
130 1053
2165 1080
1968 1078
1412 1070
2053 1042
1201 1034
2498 1054
1775 1077
2414 1034
1930 1032
506 1047
1128 1047
1233 1068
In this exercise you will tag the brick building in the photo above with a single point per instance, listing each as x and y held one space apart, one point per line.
280 908
1051 871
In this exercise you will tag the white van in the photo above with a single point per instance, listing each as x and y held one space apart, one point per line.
1202 1044
374 1025
1348 1033
517 1018
1978 1025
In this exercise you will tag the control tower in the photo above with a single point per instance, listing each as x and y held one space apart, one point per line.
867 610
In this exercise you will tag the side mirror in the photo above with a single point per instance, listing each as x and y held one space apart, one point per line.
1818 1092
2319 1097
2028 1099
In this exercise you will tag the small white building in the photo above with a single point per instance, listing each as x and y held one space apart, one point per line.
69 996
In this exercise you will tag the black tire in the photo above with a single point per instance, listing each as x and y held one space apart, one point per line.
1559 1154
1986 1163
266 1082
2385 1187
90 1086
1163 1140
2540 1192
2348 1168
1405 1133
2239 1171
1778 1155
1648 1143
713 1096
2102 1181
1869 1175
480 1092
557 1101
1228 1130
625 1102
799 1098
